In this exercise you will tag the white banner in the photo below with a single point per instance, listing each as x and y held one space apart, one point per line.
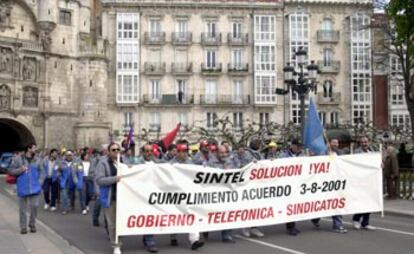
175 198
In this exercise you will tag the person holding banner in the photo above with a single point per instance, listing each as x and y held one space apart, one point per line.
182 158
293 151
29 173
147 156
222 161
203 156
363 148
107 179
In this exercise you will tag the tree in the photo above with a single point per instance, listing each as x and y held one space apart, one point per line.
399 32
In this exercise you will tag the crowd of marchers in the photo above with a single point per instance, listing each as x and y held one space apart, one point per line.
90 177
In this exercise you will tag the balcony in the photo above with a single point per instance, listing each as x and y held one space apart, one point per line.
237 40
335 99
168 100
208 39
151 38
214 99
182 69
211 70
181 38
238 69
155 127
329 67
327 36
151 68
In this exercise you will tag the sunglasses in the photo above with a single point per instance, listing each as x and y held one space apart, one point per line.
115 150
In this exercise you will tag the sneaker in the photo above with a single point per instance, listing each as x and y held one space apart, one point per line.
152 249
256 232
356 225
53 208
45 207
196 245
205 235
84 212
340 230
23 231
245 232
316 224
95 223
117 250
369 227
292 231
174 242
33 229
64 212
228 239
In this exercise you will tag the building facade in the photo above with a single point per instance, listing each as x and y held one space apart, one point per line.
76 73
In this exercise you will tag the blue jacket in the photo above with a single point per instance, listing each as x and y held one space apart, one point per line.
27 182
71 175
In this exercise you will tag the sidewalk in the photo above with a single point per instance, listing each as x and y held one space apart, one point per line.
44 241
399 207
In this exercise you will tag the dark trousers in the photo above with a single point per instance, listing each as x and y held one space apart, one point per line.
365 218
290 225
50 191
88 190
96 211
392 186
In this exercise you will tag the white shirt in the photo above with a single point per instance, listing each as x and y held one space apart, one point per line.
86 165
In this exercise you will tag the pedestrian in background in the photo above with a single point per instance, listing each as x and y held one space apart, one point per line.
391 172
51 183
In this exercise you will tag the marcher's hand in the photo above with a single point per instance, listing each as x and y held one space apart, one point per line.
118 178
254 161
24 168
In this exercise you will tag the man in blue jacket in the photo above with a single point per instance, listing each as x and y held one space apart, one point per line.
51 184
29 173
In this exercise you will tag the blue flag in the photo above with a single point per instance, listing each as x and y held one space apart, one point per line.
313 132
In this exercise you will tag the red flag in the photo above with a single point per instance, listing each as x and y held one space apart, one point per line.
169 138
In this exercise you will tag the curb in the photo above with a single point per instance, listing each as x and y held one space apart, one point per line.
60 243
398 213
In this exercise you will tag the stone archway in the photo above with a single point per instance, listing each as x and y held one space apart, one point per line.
14 135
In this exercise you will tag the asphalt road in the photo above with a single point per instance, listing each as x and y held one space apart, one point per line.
394 235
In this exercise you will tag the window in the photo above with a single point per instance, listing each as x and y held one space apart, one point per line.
236 30
397 94
211 59
327 57
236 57
361 88
396 66
327 25
265 58
128 120
65 17
334 118
155 91
327 89
361 114
265 28
127 88
238 120
263 119
155 27
299 27
211 91
322 117
211 29
182 91
127 59
211 120
155 121
237 97
182 117
400 120
127 25
182 27
265 87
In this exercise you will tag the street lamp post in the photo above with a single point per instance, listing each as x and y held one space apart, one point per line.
299 81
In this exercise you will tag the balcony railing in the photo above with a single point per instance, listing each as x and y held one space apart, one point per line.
151 68
328 35
182 68
211 70
168 99
151 38
209 39
214 99
334 99
329 66
238 68
185 38
237 40
155 127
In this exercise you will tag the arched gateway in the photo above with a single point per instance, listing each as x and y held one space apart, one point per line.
14 135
